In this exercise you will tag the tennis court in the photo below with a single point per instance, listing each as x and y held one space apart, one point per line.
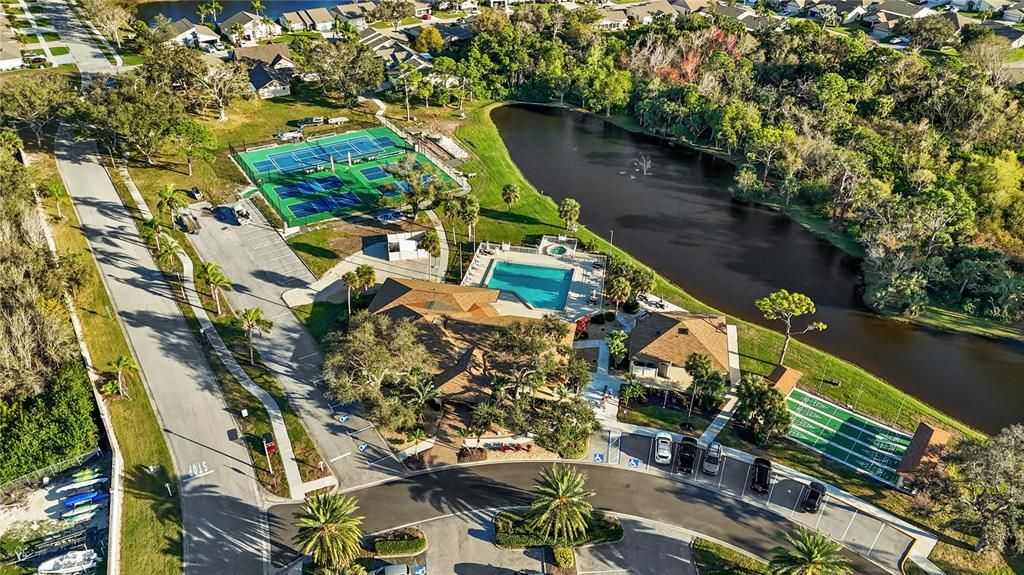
336 175
845 436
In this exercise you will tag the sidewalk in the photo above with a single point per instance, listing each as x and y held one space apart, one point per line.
284 444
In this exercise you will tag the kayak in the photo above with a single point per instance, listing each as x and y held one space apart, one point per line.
71 562
84 474
80 510
80 518
87 497
82 484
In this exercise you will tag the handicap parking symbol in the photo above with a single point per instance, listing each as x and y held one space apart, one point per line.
419 570
634 463
598 458
364 447
344 418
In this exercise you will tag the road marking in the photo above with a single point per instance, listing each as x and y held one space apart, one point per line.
378 460
721 472
770 491
351 433
605 571
190 478
307 356
877 535
341 456
799 498
821 513
650 454
852 519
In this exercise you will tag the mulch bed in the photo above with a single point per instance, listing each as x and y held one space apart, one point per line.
416 462
472 454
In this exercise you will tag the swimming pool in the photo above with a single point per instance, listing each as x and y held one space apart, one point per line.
541 287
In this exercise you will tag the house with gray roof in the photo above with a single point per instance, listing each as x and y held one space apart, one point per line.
251 28
192 35
312 20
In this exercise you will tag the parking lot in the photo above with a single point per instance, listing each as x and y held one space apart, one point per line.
861 533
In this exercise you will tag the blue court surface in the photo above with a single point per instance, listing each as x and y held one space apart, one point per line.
309 187
374 173
320 154
324 204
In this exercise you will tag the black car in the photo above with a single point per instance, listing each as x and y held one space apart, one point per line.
761 475
813 497
686 455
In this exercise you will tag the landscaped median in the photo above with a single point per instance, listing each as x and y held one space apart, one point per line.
714 559
515 530
405 542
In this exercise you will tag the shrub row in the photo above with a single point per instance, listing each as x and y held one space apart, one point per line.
564 557
400 543
512 530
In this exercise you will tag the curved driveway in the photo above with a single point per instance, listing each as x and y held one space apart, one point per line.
462 489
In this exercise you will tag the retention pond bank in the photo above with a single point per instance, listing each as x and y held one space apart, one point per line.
680 220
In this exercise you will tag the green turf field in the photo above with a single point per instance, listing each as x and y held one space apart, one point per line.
837 432
299 182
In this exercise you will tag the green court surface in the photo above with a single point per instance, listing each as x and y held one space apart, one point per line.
845 436
334 175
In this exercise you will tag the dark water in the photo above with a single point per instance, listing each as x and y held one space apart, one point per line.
680 220
178 9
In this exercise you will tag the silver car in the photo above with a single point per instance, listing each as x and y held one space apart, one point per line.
663 448
713 459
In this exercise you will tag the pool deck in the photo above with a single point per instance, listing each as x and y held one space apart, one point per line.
585 291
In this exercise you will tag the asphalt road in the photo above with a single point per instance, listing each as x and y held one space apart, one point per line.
261 267
224 527
465 489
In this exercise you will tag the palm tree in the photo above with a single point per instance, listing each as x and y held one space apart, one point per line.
559 509
257 7
236 32
151 230
510 195
218 282
430 243
214 8
54 190
569 210
812 554
169 200
203 12
123 365
417 436
367 276
252 321
169 251
351 280
619 290
421 391
329 529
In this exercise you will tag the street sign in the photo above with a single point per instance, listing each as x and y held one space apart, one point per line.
419 570
364 447
634 463
598 458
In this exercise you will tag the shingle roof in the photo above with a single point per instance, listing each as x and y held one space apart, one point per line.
673 336
425 298
268 54
242 17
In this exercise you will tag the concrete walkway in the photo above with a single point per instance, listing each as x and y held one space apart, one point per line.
284 443
224 528
603 391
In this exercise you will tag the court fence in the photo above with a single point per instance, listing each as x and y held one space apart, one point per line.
459 178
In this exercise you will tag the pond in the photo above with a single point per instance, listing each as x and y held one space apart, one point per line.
680 220
177 9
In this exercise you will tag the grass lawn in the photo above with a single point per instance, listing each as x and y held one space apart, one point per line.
663 418
287 38
950 320
48 36
451 14
313 248
322 318
405 22
535 215
151 532
132 59
1015 55
714 559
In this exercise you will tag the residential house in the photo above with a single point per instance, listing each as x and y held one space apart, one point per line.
192 35
958 20
1014 35
505 3
451 34
455 323
420 9
358 14
746 16
312 20
394 49
612 20
884 16
647 12
275 56
1014 12
993 6
847 11
268 82
253 28
690 6
794 7
661 342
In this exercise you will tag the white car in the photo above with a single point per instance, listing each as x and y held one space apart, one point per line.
663 448
400 569
713 460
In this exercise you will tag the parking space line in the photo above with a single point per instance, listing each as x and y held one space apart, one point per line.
307 356
877 535
346 454
608 447
852 519
771 490
721 472
376 461
799 498
618 448
650 454
351 433
821 513
746 480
